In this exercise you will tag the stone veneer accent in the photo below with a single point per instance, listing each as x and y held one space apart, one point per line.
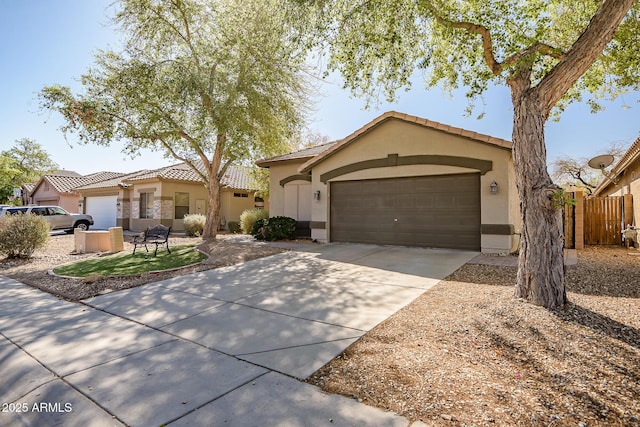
157 208
166 209
124 209
135 209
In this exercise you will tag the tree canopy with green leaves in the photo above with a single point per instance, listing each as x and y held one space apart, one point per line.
548 52
209 83
23 163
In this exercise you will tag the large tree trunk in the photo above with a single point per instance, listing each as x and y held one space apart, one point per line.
541 264
541 269
214 175
213 213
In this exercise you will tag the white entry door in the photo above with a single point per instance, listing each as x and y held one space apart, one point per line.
297 201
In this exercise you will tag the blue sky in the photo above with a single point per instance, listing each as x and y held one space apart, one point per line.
46 42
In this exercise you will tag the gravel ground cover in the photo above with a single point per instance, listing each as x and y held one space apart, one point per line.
466 352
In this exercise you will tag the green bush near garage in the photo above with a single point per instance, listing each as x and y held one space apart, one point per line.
275 228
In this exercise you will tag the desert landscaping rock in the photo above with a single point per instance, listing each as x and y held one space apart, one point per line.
468 353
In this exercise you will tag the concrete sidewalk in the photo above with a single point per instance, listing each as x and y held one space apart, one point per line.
221 347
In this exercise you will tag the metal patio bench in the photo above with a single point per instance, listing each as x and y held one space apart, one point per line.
158 235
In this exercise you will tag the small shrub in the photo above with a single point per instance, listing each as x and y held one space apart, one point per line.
194 224
234 227
21 235
276 228
249 217
257 230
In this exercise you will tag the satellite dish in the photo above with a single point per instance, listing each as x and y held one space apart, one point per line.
601 162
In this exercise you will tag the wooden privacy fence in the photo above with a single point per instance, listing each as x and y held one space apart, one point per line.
597 220
603 220
569 226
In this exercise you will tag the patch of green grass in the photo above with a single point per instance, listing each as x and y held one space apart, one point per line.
125 263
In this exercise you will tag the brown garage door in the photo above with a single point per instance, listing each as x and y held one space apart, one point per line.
432 211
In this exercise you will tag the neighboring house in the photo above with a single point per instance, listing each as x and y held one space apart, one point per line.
59 188
402 180
163 196
25 192
626 180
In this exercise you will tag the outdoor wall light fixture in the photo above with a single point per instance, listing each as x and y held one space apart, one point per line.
316 195
493 187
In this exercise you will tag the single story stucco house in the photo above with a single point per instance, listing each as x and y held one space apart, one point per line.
59 188
402 180
626 180
164 196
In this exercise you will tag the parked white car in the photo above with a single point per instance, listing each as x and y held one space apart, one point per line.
58 218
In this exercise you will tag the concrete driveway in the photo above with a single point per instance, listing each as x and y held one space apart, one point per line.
223 346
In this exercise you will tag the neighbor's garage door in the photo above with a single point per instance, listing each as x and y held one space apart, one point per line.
103 211
432 211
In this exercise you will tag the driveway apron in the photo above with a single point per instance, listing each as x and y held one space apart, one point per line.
219 347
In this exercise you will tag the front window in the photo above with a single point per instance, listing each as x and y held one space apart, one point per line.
181 205
146 205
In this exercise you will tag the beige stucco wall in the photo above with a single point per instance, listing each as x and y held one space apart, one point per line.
276 191
69 202
164 203
406 139
167 205
45 196
128 211
634 189
629 183
231 207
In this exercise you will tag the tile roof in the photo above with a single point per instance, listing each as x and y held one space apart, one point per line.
332 149
180 172
65 173
307 153
110 183
30 186
237 177
66 183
